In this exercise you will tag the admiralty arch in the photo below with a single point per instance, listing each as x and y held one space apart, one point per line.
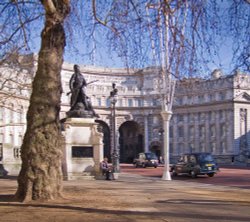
209 115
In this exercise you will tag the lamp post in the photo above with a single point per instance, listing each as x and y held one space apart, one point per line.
166 113
166 116
114 149
166 83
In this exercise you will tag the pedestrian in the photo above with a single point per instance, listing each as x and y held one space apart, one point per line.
106 169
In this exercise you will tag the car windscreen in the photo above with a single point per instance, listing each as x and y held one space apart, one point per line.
205 157
151 156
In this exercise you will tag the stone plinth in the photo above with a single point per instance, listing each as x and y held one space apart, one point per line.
83 149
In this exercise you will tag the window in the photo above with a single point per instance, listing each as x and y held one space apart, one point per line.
213 147
17 152
222 96
180 131
211 97
20 114
120 102
212 130
20 140
130 102
12 113
11 138
202 147
200 99
222 129
108 104
1 151
181 148
202 131
191 131
1 138
222 146
154 102
171 149
210 115
191 147
180 118
190 117
1 112
221 114
140 103
201 117
190 100
155 120
171 131
179 101
99 102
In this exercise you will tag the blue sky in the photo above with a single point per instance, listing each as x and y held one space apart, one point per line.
103 57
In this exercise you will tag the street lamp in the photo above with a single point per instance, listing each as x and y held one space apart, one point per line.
166 115
114 149
166 83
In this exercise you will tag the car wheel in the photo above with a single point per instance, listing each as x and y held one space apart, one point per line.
155 166
210 174
193 174
144 165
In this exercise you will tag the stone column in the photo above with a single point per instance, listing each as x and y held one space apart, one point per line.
166 116
146 144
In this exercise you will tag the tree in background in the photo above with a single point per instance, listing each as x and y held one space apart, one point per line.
196 32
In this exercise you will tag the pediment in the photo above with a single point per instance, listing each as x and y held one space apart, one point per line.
243 97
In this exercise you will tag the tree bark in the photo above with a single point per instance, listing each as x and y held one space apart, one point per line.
40 176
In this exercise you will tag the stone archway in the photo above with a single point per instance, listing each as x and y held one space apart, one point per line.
130 141
104 128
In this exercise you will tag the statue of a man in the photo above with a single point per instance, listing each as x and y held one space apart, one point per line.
80 104
77 85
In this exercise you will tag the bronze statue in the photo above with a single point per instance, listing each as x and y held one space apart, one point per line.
80 104
77 85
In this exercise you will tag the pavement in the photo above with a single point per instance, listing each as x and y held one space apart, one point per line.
131 198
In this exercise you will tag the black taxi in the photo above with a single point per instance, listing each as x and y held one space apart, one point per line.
147 159
195 164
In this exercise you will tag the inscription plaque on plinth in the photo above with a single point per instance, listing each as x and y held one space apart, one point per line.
82 152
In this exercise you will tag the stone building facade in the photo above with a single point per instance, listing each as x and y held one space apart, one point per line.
211 115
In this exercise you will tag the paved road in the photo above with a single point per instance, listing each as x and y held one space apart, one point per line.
228 175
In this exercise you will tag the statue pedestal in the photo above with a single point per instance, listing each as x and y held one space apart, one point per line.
83 149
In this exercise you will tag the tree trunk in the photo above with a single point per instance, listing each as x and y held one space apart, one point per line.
40 176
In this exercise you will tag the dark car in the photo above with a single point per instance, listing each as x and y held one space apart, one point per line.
147 159
195 164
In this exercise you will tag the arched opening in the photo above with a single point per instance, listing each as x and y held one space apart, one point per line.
104 128
130 141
